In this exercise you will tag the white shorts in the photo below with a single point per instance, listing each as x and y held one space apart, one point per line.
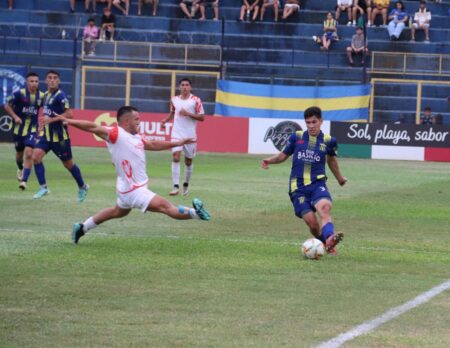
294 6
421 26
139 199
190 150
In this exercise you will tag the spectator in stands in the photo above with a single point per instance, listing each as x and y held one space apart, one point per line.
108 25
209 3
422 20
379 7
86 5
329 32
194 7
247 8
344 6
358 46
427 118
125 8
290 7
361 6
397 18
270 3
154 4
90 36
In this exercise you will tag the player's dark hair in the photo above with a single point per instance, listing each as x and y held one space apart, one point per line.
32 74
312 111
185 79
52 72
125 110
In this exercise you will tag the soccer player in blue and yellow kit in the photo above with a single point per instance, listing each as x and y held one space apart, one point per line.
309 194
55 136
23 106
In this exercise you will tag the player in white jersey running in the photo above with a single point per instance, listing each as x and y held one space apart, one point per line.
186 110
127 150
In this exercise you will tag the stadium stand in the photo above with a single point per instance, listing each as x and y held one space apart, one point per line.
41 34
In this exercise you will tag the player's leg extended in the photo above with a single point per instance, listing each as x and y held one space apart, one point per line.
76 174
176 155
313 224
39 169
161 205
19 145
331 239
80 229
27 167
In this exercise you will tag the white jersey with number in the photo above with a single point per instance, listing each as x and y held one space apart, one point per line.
128 156
185 126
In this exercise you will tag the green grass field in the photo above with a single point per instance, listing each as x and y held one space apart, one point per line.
236 281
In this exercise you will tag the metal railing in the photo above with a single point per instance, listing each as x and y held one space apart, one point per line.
130 73
155 53
418 95
410 63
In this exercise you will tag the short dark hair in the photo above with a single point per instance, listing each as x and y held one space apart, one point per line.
32 74
91 20
359 28
401 3
312 111
185 79
52 72
125 110
422 2
427 109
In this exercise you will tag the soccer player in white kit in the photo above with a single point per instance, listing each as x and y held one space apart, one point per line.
127 150
186 110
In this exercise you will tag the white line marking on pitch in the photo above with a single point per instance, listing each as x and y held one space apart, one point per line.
371 325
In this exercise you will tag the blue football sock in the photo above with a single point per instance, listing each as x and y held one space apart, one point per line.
327 231
26 174
19 164
39 169
76 173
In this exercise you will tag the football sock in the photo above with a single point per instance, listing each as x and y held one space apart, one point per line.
327 231
191 211
176 173
187 173
89 224
19 164
26 174
76 173
39 169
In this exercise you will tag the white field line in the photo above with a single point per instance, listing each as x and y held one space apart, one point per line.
392 313
226 240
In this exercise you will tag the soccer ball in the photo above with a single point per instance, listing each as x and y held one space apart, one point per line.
313 249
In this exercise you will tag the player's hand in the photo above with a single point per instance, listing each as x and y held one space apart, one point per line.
183 112
265 164
342 181
17 120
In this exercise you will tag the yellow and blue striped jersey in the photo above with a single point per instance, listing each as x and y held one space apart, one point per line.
55 103
308 157
26 105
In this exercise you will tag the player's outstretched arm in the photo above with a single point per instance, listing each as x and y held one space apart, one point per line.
158 145
167 119
281 157
87 126
334 167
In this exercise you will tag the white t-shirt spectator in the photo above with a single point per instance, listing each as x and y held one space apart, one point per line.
421 17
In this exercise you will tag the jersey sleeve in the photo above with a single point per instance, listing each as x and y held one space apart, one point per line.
289 147
332 147
14 98
113 134
199 107
65 102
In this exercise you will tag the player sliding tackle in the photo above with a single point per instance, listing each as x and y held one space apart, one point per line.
307 189
127 150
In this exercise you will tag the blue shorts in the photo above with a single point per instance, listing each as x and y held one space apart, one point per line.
61 149
20 142
305 199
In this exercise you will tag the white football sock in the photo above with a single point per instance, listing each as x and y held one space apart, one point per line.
89 224
188 172
176 173
193 213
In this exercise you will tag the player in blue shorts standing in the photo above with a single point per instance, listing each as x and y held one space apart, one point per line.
55 136
23 106
309 194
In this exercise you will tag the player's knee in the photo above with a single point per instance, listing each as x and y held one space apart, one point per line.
188 161
324 209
